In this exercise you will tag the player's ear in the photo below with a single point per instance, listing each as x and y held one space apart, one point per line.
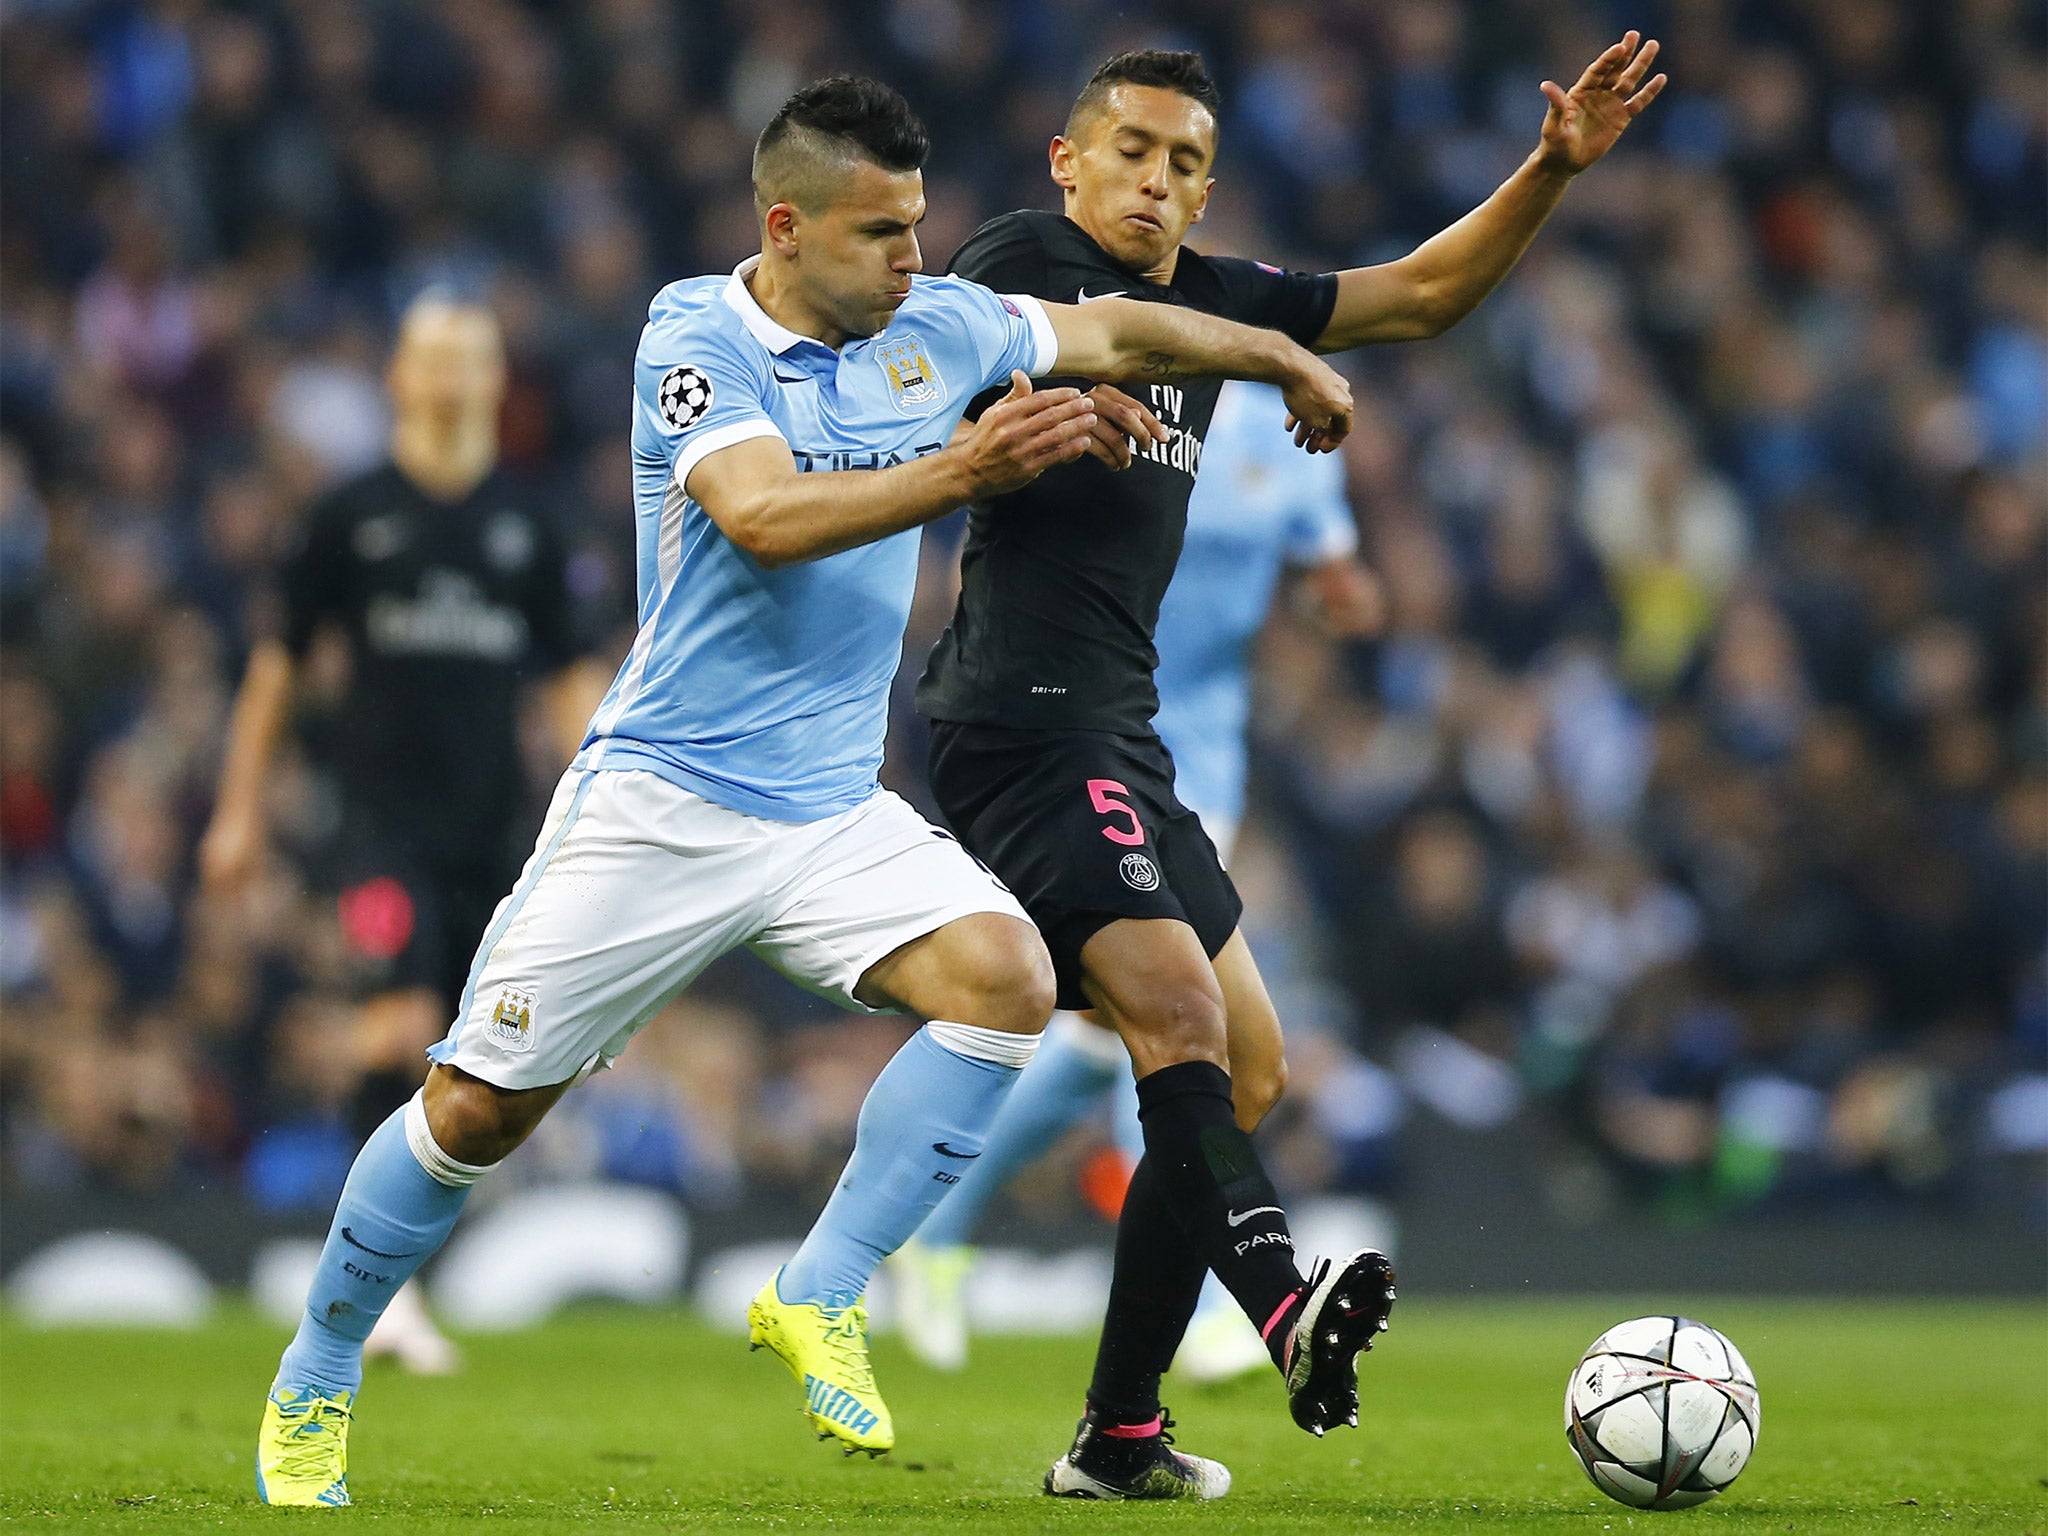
780 222
1203 206
1061 153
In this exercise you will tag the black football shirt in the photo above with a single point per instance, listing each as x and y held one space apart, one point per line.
448 609
1060 582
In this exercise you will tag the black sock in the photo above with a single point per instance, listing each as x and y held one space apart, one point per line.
1152 1295
1212 1181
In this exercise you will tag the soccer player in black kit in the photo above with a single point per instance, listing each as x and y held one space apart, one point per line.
1043 757
448 586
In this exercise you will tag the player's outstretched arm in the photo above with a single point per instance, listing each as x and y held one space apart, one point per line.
756 496
1126 340
232 848
1442 280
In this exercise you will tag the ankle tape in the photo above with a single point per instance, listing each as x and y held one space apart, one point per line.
1143 1431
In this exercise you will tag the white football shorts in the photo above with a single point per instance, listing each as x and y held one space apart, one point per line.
635 885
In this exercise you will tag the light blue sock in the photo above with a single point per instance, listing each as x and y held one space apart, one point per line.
1061 1087
920 1128
393 1215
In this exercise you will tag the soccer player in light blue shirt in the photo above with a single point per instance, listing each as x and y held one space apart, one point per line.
1260 513
794 424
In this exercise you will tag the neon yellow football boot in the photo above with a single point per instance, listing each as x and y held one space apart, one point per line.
302 1449
827 1352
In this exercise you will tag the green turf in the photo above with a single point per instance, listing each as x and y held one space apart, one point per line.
1926 1418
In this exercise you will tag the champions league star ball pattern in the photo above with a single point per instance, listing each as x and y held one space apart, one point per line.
1662 1412
684 396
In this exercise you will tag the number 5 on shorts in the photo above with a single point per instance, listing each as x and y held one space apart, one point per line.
1102 793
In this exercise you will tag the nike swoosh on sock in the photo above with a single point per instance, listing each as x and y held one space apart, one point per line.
353 1241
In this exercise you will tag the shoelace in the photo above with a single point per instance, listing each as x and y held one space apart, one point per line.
1315 1278
311 1433
846 1342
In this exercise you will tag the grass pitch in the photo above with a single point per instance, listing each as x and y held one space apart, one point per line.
1877 1418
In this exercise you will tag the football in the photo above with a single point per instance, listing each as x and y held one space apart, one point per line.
1662 1412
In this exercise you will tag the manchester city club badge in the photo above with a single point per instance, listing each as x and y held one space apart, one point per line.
913 381
510 1025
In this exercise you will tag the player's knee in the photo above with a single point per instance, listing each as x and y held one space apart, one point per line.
1177 1024
1255 1090
1014 990
476 1122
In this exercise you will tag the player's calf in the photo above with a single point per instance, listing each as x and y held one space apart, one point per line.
1255 1090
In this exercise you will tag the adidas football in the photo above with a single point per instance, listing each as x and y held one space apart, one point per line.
1661 1412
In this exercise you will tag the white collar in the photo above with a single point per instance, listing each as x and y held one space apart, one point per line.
770 332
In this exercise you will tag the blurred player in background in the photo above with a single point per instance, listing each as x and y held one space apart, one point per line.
1262 515
1045 761
446 584
793 426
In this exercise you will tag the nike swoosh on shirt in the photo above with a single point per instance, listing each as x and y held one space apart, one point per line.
1239 1218
1085 297
945 1151
350 1238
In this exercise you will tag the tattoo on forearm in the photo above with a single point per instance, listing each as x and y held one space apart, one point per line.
1159 365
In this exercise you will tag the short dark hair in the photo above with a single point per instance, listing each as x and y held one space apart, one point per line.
1171 69
833 121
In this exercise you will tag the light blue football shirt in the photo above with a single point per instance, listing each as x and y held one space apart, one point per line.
1260 504
767 691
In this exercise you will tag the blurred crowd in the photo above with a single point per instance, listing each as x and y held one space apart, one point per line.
1690 816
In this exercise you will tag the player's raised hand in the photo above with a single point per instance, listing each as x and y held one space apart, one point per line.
1119 419
1583 123
1318 405
1026 433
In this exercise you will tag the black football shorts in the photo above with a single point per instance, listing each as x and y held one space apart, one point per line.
1084 828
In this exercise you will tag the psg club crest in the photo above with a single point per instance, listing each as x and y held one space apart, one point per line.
1139 872
684 396
511 1023
913 381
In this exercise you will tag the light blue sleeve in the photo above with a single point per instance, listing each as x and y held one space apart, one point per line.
998 332
1320 527
696 390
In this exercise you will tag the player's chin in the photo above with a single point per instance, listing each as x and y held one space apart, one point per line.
1144 238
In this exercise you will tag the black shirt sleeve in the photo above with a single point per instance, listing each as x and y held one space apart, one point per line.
319 574
1297 304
